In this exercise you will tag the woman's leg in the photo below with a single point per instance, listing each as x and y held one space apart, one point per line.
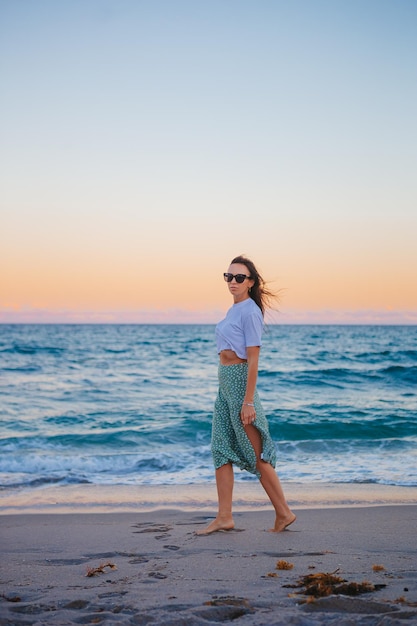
271 483
224 519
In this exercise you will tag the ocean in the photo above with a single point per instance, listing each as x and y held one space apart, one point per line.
132 404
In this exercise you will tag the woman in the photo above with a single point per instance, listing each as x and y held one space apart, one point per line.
240 433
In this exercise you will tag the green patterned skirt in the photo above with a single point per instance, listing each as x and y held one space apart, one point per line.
229 441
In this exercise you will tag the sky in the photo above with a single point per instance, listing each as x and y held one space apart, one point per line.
145 143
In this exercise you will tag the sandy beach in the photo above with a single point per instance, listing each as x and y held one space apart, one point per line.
154 569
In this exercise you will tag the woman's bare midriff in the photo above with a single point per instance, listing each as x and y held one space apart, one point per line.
229 357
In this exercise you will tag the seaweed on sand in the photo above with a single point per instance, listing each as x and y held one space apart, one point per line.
101 569
325 584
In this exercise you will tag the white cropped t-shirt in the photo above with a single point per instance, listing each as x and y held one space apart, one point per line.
241 328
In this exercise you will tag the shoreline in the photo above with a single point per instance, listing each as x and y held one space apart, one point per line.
153 568
248 496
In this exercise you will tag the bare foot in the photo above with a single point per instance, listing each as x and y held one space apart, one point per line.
216 525
283 523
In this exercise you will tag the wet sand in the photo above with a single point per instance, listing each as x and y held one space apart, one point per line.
87 498
167 575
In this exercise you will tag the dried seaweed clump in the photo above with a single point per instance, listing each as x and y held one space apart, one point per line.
325 584
101 569
378 568
284 565
403 600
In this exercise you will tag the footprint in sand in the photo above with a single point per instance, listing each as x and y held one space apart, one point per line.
138 559
151 528
158 575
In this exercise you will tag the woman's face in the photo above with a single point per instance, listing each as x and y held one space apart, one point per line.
239 291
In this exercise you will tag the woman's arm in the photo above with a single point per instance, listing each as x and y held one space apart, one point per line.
247 413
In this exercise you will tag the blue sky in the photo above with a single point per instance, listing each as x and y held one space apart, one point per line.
146 139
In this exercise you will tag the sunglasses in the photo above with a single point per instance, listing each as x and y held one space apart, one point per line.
239 278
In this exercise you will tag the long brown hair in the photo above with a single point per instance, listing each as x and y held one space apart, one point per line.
263 296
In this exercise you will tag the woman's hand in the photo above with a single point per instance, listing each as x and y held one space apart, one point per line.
247 415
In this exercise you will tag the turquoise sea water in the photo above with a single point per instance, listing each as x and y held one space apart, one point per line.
132 404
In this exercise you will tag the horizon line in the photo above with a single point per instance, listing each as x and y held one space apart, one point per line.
204 323
181 317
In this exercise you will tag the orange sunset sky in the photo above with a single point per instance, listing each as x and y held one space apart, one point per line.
144 144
